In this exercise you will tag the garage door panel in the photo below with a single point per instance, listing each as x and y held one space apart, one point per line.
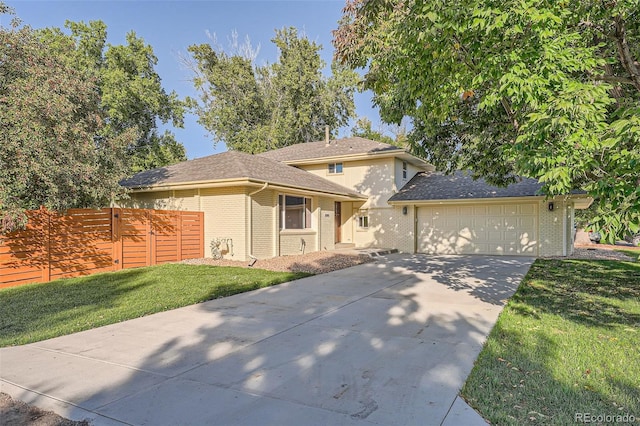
480 210
511 210
451 222
496 236
527 222
475 249
528 209
495 210
495 249
494 223
511 235
508 229
465 211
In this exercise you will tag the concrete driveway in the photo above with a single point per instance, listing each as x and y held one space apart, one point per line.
390 342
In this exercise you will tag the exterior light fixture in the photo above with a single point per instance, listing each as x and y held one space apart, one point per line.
551 206
404 210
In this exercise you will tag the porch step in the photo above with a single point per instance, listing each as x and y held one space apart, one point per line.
344 246
377 252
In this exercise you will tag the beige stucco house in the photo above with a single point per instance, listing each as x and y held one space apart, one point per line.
355 192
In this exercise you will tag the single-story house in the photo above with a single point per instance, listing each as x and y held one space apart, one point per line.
355 192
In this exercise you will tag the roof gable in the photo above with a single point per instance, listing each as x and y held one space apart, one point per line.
232 165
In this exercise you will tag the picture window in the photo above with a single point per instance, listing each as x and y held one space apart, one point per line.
295 212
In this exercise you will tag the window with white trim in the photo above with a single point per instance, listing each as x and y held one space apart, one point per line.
404 170
335 168
295 212
363 220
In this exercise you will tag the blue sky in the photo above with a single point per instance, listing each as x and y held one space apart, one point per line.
171 26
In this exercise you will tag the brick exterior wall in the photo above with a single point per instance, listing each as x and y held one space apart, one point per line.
263 224
374 178
290 242
225 216
388 228
551 232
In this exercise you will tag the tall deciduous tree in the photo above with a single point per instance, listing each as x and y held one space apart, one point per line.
257 108
132 96
540 88
55 148
364 129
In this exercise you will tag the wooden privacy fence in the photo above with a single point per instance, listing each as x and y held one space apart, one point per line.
86 241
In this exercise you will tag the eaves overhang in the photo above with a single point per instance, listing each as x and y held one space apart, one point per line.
220 183
399 153
582 201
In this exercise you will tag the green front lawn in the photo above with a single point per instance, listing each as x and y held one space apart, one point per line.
566 344
36 312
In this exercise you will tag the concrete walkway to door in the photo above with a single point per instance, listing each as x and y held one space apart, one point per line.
384 343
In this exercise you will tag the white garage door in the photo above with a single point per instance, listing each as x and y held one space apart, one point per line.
509 229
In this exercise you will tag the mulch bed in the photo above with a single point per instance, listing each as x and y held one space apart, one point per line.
603 252
319 262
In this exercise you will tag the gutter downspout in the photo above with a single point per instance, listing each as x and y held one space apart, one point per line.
265 186
250 214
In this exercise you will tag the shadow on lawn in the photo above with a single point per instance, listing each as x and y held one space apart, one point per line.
514 383
582 291
566 345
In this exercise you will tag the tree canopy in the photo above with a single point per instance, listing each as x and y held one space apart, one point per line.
56 150
364 129
131 92
538 88
255 108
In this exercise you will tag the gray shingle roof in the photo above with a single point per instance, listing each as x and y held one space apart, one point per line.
339 147
235 165
427 186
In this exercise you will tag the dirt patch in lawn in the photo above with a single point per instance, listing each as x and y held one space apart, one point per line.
18 413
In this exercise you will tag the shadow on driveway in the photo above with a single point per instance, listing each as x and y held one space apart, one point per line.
389 342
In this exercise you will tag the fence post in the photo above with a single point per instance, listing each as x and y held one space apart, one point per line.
201 236
46 225
116 241
179 217
151 244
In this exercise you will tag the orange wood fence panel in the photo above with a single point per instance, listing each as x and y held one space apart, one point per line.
86 241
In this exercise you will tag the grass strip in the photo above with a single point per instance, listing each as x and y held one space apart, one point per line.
35 312
566 345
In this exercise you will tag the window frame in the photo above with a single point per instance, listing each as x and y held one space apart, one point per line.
404 170
307 212
332 168
363 220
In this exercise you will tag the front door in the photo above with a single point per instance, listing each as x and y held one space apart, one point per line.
338 216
